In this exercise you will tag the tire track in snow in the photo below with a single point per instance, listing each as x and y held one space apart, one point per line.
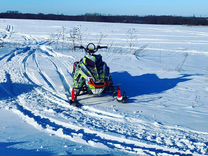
25 71
66 85
43 75
145 133
87 136
30 78
50 52
64 105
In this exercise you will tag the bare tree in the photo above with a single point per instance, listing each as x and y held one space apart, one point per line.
179 68
139 53
63 37
75 35
132 39
8 32
101 37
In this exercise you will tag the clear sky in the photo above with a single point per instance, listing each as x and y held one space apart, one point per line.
115 7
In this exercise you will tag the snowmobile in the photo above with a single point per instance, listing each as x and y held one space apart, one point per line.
91 75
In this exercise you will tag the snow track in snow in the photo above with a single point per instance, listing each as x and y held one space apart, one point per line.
79 126
43 75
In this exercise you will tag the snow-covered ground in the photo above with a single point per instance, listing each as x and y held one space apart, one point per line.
163 69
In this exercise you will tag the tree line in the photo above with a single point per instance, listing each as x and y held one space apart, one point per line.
95 17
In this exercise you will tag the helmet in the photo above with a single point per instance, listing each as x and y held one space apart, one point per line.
91 47
89 61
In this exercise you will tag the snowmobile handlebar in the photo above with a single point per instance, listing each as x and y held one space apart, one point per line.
79 47
91 48
102 47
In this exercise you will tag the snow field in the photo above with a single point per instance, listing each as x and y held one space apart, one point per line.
163 69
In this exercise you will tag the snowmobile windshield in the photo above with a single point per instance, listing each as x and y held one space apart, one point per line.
90 63
99 62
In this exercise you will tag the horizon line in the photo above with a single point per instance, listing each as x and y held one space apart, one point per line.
101 14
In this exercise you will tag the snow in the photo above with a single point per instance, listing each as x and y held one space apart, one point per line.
18 138
162 68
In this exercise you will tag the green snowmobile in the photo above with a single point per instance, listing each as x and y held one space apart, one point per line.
91 75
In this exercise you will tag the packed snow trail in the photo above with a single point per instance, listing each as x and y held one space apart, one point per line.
47 108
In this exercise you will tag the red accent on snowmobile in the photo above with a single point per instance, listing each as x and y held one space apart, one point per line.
99 85
119 95
73 96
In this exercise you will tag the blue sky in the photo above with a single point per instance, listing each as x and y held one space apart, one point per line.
116 7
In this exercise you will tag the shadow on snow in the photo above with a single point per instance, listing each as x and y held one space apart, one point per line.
9 89
146 84
6 149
